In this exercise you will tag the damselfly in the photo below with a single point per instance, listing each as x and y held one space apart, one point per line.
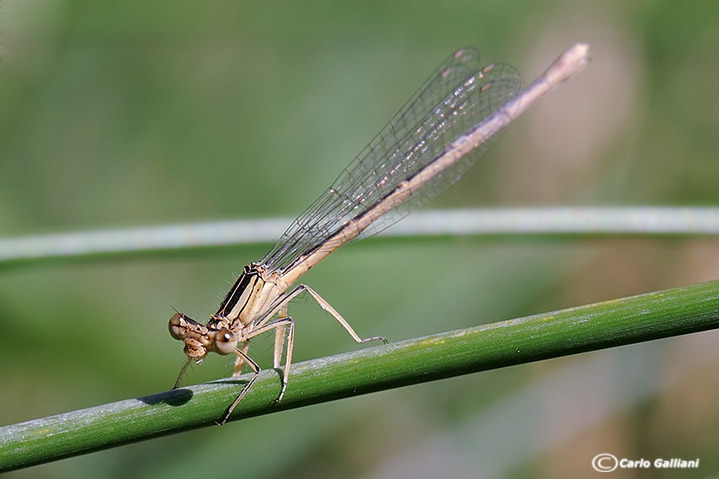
428 145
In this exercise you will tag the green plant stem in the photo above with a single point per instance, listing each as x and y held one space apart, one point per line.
635 319
635 221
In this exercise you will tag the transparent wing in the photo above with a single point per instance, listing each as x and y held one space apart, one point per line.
457 97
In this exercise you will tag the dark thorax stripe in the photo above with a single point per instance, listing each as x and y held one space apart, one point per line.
246 279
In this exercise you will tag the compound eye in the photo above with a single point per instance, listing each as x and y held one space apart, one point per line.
225 341
176 329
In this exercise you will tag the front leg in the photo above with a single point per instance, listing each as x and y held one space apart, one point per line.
240 360
255 369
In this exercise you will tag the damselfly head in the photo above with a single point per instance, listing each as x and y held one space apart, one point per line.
202 338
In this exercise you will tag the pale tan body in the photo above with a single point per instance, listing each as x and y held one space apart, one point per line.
264 295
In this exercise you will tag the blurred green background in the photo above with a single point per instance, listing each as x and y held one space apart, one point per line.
134 113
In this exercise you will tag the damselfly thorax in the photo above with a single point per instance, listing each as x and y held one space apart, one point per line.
436 137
